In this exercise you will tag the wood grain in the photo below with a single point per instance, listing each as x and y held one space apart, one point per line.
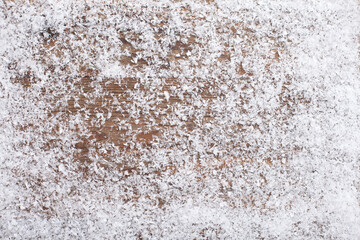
108 133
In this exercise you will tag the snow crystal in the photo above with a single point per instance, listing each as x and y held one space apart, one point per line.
221 119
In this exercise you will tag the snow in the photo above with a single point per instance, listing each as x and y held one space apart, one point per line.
180 119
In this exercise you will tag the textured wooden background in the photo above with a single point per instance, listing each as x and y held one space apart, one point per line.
98 111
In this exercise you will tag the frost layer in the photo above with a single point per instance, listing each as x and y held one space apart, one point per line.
180 119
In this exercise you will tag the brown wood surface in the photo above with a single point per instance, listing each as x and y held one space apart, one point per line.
107 133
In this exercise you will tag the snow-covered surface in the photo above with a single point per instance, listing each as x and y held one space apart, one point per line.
255 105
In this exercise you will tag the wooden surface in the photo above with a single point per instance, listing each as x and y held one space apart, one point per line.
110 125
179 119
